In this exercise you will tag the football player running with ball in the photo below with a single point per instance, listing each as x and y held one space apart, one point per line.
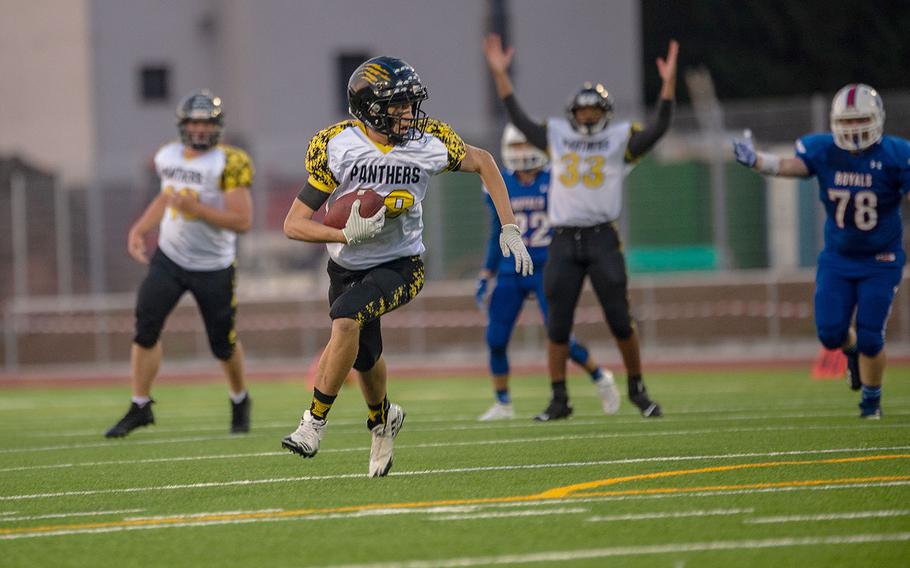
204 203
862 178
527 178
374 263
590 158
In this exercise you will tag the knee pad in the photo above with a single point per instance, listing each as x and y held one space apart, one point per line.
577 352
832 337
222 348
370 346
147 335
869 343
620 324
558 332
499 362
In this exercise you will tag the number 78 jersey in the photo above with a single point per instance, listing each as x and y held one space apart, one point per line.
587 173
861 193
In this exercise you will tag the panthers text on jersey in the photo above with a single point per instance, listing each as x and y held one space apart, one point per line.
190 242
861 193
587 173
342 159
529 203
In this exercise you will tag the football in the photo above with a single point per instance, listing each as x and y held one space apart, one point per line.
337 215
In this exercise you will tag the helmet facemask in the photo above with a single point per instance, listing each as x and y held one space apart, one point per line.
200 106
382 83
590 96
857 117
518 154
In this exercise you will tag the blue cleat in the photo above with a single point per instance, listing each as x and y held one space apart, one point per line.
870 410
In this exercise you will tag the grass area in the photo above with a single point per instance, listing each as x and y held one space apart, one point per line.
745 469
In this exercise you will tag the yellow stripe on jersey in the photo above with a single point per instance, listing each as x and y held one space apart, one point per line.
317 156
238 168
453 142
629 158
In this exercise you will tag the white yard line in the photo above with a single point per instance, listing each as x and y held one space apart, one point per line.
496 426
510 514
669 515
620 551
196 515
829 517
65 515
514 467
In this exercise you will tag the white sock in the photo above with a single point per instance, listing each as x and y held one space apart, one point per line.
237 398
141 400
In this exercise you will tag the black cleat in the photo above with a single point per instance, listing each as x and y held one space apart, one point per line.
853 370
135 417
240 415
648 408
556 410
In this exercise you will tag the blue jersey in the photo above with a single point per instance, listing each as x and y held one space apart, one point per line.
529 203
861 193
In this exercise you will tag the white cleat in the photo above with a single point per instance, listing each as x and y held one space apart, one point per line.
384 441
609 394
304 441
498 411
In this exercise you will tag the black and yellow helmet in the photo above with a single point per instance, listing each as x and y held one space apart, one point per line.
381 82
590 95
200 105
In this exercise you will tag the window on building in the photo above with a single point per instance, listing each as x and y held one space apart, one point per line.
154 84
346 63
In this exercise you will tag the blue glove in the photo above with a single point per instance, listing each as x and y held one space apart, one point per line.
480 295
744 150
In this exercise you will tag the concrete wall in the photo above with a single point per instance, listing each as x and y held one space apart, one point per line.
46 88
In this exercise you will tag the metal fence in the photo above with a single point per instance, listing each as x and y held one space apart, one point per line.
689 210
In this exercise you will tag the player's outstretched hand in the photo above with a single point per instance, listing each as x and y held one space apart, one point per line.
744 149
480 294
510 242
359 229
498 58
667 67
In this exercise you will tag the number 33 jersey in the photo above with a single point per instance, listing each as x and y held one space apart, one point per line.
587 173
187 240
342 159
861 193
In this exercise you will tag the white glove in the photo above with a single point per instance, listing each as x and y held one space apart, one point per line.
359 229
510 242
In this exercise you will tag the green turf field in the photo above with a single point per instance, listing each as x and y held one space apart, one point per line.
746 469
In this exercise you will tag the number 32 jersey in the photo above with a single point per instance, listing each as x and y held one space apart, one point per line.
342 159
861 193
587 173
191 242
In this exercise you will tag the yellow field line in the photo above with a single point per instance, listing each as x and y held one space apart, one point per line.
569 489
552 494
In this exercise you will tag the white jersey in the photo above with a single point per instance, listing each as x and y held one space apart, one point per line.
189 241
588 173
341 159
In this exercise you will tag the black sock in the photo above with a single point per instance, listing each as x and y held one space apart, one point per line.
377 413
321 404
559 390
636 385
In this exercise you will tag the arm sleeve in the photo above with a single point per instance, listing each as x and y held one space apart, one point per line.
494 253
238 169
535 133
455 148
643 139
312 197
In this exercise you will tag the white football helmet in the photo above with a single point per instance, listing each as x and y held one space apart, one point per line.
857 117
518 154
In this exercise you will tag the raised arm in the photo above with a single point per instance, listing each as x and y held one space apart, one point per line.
499 60
643 140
